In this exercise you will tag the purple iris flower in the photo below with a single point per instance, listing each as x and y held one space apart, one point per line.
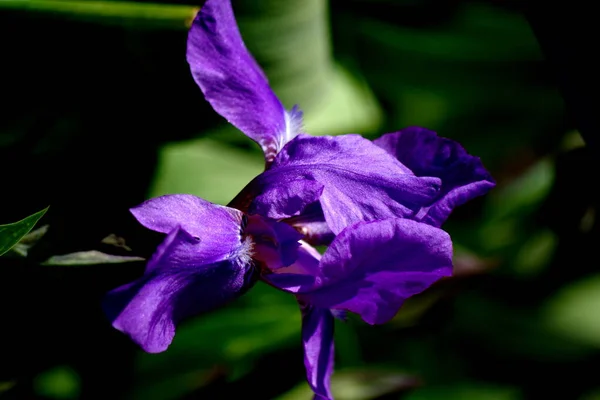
377 205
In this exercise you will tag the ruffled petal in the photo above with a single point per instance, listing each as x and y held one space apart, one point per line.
232 81
217 228
372 268
359 182
426 154
317 339
178 283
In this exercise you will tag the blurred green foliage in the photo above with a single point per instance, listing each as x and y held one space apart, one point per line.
104 114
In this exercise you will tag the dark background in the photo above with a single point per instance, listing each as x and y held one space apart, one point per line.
99 113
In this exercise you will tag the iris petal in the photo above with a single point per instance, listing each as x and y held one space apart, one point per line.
217 228
372 268
232 81
317 340
274 244
176 285
301 276
426 154
357 181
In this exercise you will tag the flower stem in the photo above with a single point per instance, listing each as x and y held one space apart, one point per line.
122 13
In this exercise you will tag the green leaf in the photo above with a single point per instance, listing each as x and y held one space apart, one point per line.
28 241
10 234
535 254
348 106
573 311
290 40
507 223
60 382
92 257
206 168
524 193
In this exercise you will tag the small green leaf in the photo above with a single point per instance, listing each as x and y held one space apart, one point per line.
28 241
91 257
10 234
116 241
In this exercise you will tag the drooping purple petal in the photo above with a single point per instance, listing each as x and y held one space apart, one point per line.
317 339
359 182
232 81
426 154
218 228
176 285
372 268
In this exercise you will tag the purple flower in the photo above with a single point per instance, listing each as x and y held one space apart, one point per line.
211 255
370 268
378 205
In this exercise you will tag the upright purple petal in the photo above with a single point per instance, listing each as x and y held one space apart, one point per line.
317 339
232 81
182 279
357 181
426 154
217 228
372 268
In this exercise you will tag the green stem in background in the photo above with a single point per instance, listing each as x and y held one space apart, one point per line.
290 39
130 14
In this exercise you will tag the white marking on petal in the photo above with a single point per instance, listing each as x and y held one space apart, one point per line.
293 126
